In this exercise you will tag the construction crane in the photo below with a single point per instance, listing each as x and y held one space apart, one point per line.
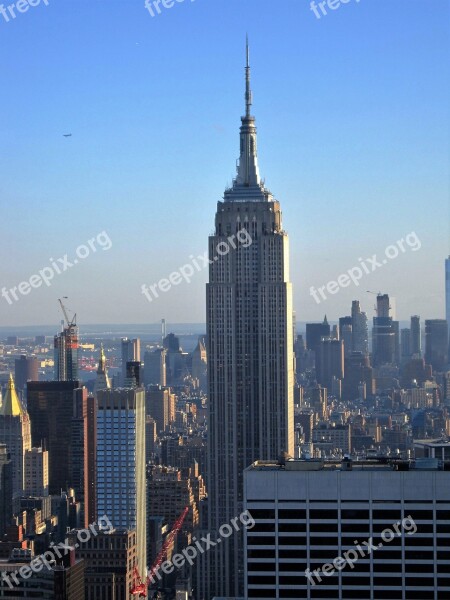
70 323
140 587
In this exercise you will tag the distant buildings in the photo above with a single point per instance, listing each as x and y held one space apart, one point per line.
121 484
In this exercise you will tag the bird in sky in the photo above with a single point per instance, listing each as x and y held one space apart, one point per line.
67 135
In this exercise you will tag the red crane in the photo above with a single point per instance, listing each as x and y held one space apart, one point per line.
139 587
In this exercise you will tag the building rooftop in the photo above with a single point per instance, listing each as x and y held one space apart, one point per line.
380 463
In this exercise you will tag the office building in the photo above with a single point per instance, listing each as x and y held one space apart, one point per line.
175 360
131 351
6 489
332 439
436 343
199 367
360 329
437 449
155 367
249 348
82 467
160 405
385 338
64 580
51 410
169 492
343 321
405 345
329 361
416 337
36 472
26 369
66 353
346 335
134 374
109 560
315 332
309 513
121 484
15 432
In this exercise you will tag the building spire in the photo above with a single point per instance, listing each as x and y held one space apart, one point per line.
248 171
102 361
12 406
248 91
247 185
102 382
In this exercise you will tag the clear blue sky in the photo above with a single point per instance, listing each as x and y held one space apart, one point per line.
353 121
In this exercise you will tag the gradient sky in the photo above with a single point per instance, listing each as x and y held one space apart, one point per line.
352 115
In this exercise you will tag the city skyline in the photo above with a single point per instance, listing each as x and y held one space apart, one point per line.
225 300
143 153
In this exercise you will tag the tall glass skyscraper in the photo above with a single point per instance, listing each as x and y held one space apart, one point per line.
250 349
121 483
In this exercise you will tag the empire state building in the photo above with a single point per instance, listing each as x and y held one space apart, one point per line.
250 349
